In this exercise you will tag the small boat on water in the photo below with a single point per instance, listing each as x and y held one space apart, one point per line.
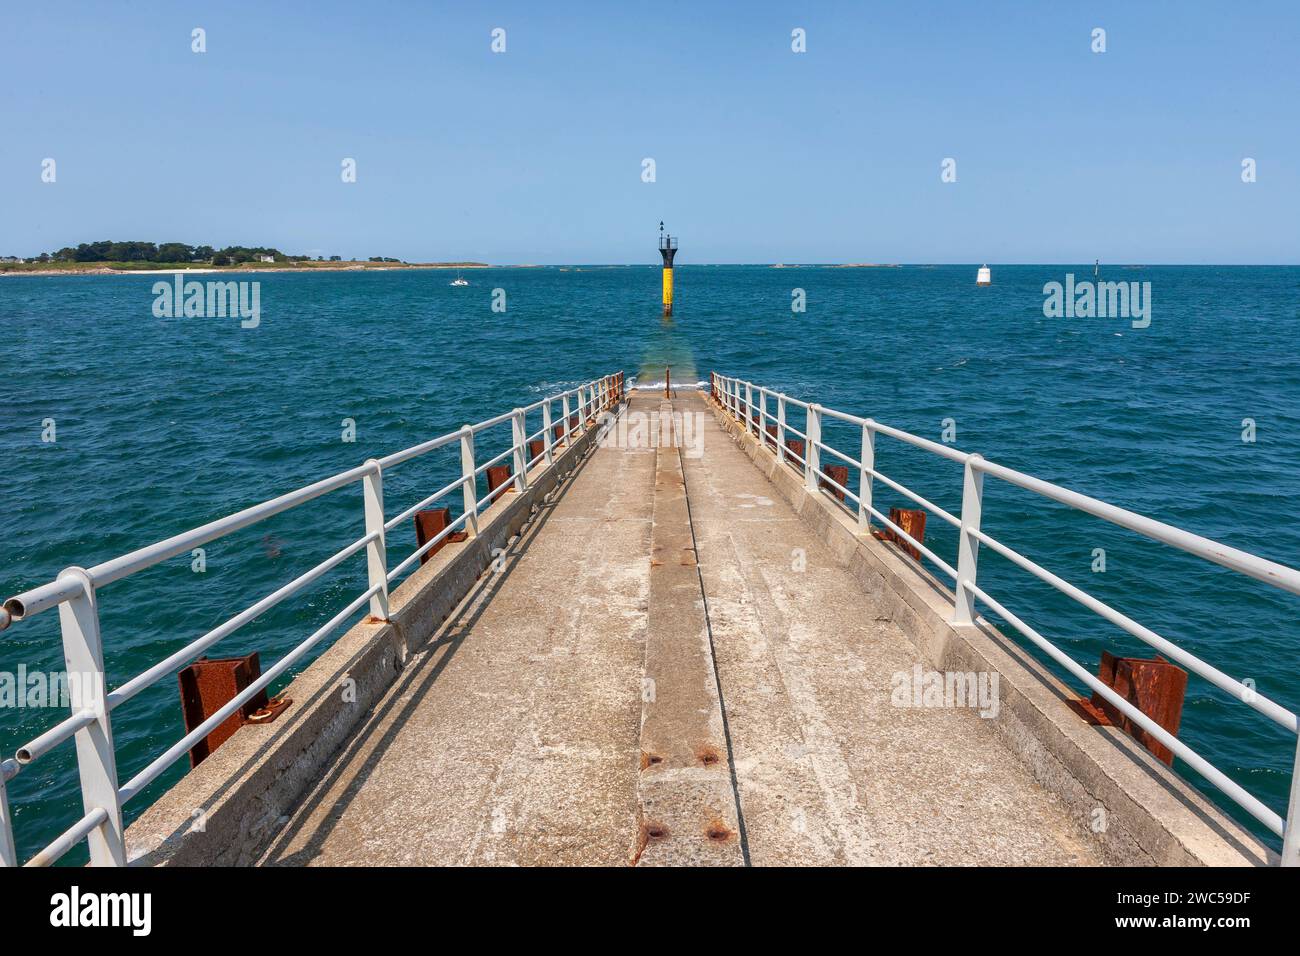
458 280
984 277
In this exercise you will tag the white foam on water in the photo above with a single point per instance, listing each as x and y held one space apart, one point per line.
647 386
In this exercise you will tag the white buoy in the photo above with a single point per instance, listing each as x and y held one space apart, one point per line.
984 277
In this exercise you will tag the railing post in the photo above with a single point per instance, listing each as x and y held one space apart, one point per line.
968 545
520 432
762 418
812 455
1291 834
780 428
582 409
8 856
546 433
564 407
469 483
868 460
83 653
749 408
372 489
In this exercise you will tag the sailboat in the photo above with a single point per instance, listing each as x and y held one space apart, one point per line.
458 280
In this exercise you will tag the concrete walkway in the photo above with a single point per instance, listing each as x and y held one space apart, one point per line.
603 700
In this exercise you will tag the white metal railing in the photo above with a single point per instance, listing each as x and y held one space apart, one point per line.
75 592
736 397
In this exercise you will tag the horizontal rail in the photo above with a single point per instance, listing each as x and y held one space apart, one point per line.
494 461
69 838
943 513
844 416
1270 572
397 457
847 459
498 420
63 730
943 451
47 596
440 493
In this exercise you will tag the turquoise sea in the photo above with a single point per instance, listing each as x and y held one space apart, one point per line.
163 424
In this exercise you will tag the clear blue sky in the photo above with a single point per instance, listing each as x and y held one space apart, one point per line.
763 155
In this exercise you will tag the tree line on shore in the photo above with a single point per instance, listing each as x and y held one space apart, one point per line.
176 252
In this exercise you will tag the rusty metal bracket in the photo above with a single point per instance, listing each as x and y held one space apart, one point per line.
796 446
274 708
1152 685
207 685
429 524
497 475
912 521
838 474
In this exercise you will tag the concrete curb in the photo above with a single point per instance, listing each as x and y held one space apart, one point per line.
1151 815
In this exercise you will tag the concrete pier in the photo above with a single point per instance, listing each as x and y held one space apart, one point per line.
679 656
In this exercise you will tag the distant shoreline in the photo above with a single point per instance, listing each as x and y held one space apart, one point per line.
107 269
103 269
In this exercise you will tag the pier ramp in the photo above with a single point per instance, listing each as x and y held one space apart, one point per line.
671 665
665 643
